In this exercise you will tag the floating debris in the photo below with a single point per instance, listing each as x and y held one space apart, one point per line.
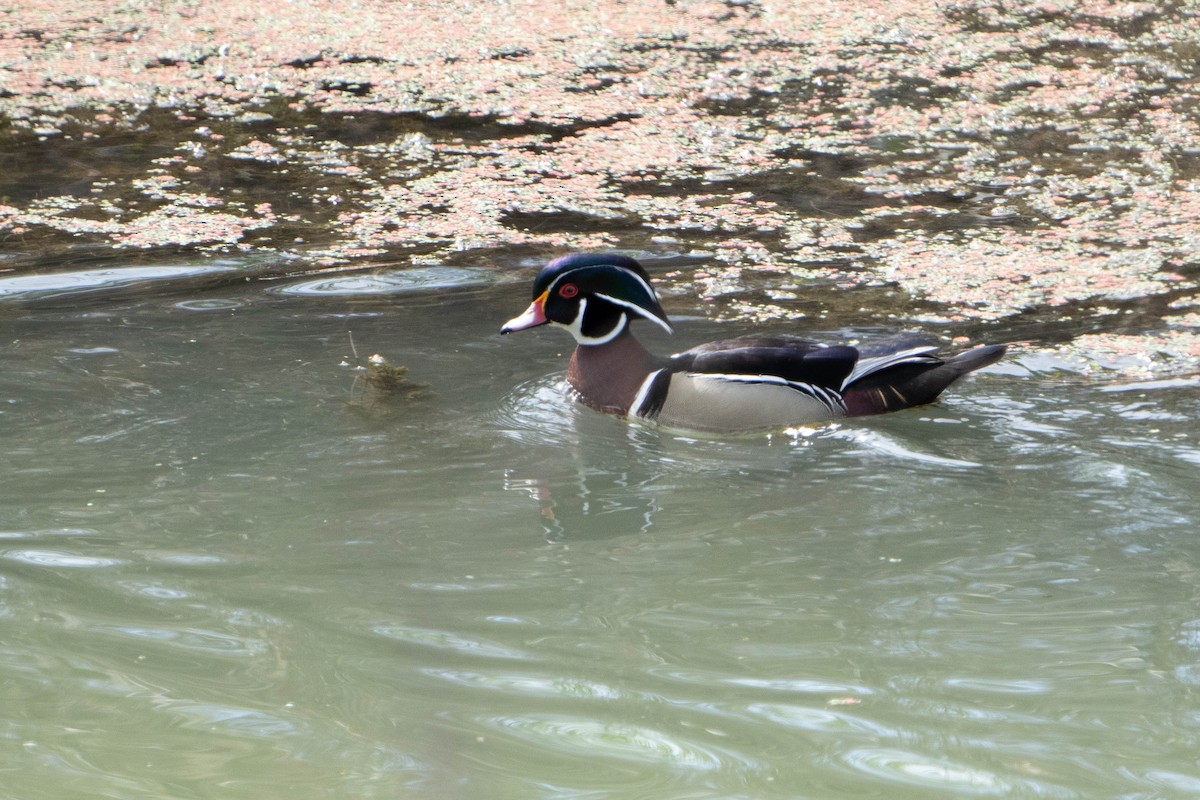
392 380
380 388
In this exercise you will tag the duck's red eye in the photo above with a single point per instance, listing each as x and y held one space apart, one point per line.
568 290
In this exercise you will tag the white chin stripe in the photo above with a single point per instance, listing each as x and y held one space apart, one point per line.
576 327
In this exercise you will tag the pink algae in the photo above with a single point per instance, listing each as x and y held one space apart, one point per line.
990 158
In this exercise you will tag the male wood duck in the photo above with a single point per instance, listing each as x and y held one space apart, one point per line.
743 384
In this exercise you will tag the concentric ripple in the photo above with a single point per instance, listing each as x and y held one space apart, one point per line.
388 283
57 284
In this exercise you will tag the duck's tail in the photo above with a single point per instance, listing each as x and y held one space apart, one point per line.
914 382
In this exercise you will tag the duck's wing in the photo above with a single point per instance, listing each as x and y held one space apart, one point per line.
922 355
786 359
795 343
747 384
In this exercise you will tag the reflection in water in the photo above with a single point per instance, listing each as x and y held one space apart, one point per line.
598 494
591 504
879 443
619 470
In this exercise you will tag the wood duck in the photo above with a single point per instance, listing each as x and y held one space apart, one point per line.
744 384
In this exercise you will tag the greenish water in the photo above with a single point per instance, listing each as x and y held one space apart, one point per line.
229 569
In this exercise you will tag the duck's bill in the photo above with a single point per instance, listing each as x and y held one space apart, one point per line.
534 315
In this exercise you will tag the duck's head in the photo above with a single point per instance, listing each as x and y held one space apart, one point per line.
592 296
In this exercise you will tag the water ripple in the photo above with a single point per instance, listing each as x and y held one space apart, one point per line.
388 283
538 412
529 685
186 559
914 769
823 720
59 559
230 720
193 639
38 534
796 686
209 304
154 591
1161 779
995 686
62 283
447 640
594 739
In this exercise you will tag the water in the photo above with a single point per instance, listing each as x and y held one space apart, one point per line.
229 568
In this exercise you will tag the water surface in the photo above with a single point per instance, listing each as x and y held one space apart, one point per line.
229 567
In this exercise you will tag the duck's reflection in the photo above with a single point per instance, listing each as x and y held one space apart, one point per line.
590 475
596 476
591 504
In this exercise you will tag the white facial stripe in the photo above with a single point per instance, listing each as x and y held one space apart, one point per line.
576 325
617 330
576 328
638 310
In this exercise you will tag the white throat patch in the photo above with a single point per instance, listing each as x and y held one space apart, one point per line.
576 327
